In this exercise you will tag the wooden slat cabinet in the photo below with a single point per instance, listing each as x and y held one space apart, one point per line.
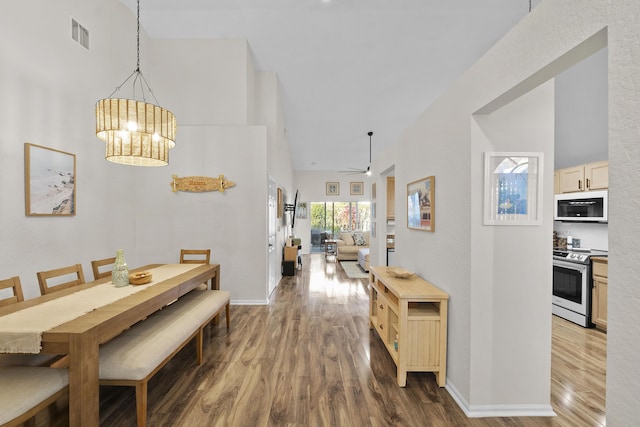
410 316
599 292
391 197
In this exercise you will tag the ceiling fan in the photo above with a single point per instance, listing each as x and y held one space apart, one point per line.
367 171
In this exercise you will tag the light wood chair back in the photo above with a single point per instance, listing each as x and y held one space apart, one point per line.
195 256
96 264
44 276
12 283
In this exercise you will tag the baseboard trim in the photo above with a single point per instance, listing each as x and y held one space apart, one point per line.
484 411
249 302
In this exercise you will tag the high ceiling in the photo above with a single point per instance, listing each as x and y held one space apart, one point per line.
346 67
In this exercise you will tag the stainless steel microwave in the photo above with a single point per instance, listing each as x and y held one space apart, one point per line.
585 206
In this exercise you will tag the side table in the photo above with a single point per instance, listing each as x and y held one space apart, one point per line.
330 248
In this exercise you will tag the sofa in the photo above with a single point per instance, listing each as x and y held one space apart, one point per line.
347 247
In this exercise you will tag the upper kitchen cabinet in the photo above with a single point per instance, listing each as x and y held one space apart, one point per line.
391 197
589 177
597 175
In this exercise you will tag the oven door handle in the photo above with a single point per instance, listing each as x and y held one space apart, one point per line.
582 268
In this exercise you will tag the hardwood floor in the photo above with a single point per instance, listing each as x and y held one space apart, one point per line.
309 359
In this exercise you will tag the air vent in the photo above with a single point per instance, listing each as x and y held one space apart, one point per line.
79 34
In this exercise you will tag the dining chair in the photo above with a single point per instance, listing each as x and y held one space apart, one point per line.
60 274
96 264
195 256
19 359
12 283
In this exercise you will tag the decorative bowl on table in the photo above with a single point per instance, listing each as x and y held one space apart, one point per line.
399 272
140 278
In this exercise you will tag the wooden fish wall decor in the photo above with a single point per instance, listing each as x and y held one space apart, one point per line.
199 184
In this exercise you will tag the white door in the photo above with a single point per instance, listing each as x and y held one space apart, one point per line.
271 237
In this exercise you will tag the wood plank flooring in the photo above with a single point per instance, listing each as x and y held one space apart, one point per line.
309 359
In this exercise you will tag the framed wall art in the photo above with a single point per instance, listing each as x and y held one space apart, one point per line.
421 204
301 210
357 188
512 188
50 181
333 188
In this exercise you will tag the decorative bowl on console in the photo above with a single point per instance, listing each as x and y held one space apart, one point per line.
399 272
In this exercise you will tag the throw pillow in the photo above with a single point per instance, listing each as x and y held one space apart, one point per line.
347 238
358 238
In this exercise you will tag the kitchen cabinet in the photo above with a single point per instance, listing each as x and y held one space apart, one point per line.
592 176
599 291
391 197
410 316
556 182
597 175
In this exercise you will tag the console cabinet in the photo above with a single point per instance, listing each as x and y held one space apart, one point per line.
410 316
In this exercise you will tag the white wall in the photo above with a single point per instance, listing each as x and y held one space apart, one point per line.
269 111
510 301
233 224
581 112
49 86
218 85
203 82
623 325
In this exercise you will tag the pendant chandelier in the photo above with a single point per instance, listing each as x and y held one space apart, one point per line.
136 132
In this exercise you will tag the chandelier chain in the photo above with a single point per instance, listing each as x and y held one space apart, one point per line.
138 39
139 77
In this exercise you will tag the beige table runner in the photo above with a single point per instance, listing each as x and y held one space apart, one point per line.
21 331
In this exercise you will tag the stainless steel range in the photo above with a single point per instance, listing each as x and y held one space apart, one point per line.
572 283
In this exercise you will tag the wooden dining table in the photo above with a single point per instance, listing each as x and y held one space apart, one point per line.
81 337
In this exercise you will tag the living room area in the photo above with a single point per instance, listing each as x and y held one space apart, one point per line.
341 231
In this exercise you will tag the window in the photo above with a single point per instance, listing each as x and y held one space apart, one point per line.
329 218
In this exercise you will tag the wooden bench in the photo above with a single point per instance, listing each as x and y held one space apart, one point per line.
25 391
135 356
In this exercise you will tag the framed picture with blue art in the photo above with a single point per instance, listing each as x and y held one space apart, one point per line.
421 204
512 188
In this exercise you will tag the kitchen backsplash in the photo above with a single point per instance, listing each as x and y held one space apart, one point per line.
591 235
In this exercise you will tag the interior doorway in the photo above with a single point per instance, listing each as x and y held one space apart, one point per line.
271 238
